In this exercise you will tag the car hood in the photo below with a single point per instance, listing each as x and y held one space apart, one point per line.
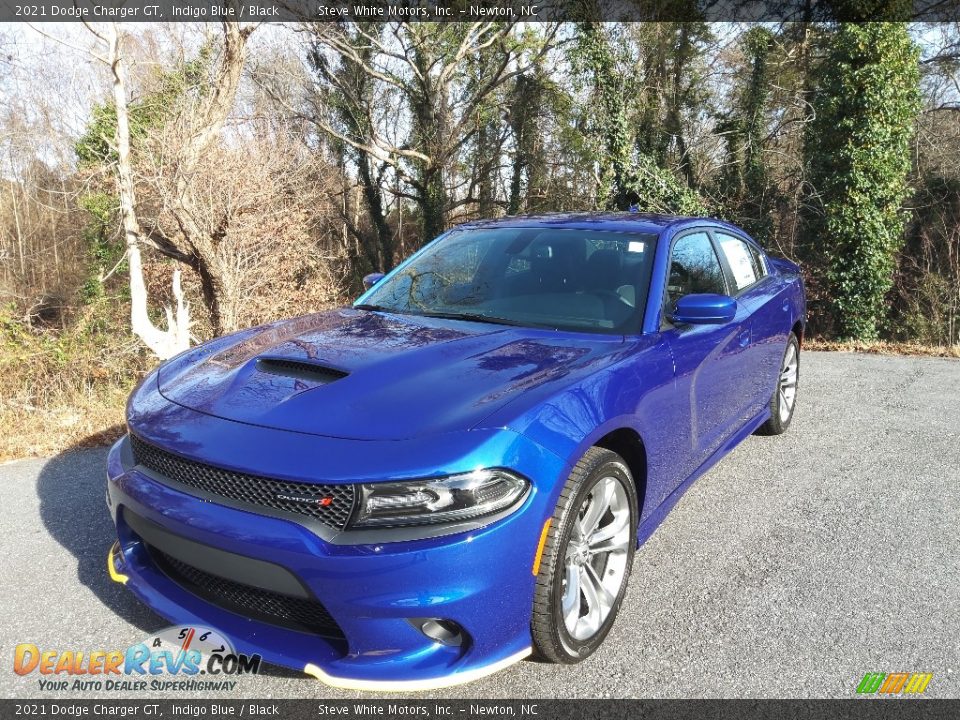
376 376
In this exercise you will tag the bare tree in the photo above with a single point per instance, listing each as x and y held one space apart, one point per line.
163 343
39 238
259 211
427 68
193 132
240 205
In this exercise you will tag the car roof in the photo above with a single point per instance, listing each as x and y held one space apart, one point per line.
617 221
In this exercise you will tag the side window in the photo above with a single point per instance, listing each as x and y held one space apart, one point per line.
694 268
761 262
744 260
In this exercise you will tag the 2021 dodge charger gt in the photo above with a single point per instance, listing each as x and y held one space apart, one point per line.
454 472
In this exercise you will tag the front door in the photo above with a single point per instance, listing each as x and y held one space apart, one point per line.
762 295
708 359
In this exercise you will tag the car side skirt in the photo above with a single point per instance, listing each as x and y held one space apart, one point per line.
648 526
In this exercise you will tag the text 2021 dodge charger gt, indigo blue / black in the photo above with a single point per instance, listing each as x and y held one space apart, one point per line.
454 472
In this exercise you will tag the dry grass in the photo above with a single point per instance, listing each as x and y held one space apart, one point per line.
28 431
66 389
882 347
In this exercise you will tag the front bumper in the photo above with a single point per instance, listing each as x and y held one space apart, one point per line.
481 580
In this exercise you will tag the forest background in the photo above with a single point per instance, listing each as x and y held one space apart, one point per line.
164 184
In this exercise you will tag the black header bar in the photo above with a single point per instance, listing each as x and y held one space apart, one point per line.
39 11
432 709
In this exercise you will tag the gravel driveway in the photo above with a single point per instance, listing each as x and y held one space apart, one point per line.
792 568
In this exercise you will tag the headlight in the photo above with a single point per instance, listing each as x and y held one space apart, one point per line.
439 500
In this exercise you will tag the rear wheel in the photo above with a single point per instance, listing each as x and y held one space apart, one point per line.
586 559
784 399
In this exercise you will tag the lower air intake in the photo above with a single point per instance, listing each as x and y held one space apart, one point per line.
303 614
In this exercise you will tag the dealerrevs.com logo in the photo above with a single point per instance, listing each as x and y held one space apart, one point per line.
894 683
179 658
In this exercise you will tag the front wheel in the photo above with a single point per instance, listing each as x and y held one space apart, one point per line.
784 398
586 559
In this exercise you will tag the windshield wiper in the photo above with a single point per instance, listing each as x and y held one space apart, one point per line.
473 317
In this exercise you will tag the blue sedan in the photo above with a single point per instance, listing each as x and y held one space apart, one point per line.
454 472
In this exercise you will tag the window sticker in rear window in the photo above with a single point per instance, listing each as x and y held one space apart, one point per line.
738 255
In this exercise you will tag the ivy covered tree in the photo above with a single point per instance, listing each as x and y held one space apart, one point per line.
672 89
745 183
628 177
858 150
530 97
147 113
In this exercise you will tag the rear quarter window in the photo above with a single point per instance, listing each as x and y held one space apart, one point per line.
745 261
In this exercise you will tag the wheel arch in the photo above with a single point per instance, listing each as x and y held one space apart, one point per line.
797 330
627 443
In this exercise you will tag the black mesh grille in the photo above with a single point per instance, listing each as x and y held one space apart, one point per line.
330 504
299 369
305 614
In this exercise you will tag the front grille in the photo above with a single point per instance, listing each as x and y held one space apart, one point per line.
304 614
251 489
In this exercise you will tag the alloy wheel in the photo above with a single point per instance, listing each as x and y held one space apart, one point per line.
788 382
596 558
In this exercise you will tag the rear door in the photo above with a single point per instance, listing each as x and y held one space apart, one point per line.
708 358
759 291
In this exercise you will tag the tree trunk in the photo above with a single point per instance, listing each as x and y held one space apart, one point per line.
516 176
163 343
384 251
220 297
536 170
484 166
220 293
433 205
675 112
430 115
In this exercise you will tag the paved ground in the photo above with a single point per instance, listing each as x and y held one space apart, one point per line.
792 568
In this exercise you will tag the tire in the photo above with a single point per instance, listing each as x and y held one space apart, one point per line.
588 484
784 402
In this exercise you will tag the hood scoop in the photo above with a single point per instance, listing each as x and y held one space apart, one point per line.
299 369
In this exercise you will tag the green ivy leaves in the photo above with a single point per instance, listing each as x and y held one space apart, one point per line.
859 156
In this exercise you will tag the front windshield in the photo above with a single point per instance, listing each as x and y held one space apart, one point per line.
582 280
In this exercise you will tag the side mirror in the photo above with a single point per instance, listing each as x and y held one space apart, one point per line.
704 309
372 279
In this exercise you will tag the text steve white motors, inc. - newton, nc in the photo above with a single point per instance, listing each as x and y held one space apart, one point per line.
415 709
424 13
